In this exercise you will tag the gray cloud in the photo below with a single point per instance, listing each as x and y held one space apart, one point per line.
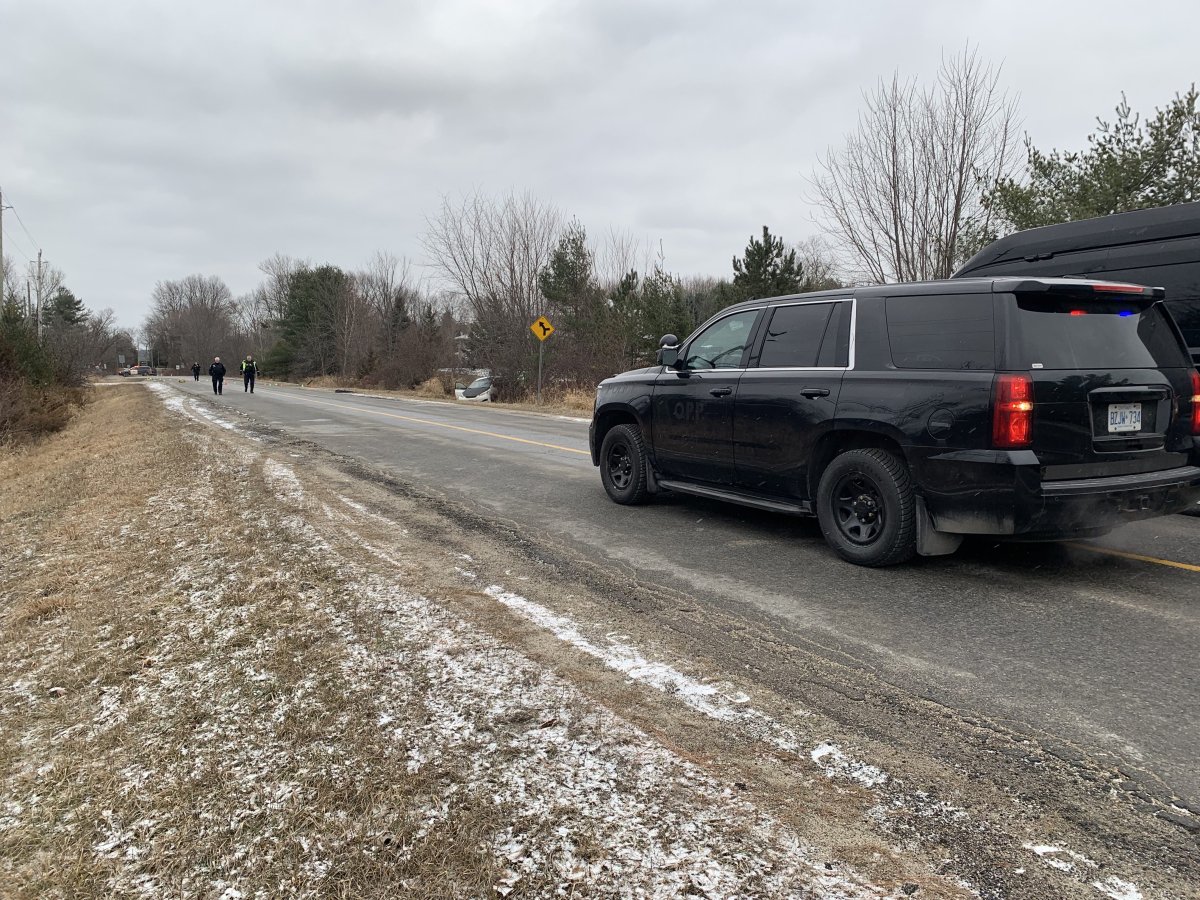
144 141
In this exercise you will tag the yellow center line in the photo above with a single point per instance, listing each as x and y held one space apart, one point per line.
503 437
1187 567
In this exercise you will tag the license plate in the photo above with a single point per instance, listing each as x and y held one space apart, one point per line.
1124 417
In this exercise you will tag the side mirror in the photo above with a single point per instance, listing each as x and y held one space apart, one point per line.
668 350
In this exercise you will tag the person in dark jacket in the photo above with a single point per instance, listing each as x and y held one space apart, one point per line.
249 373
196 371
217 371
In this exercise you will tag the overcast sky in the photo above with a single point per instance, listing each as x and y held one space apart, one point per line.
148 141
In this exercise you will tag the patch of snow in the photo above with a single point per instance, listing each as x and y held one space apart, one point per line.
837 765
1061 858
1117 889
363 511
194 409
283 481
710 700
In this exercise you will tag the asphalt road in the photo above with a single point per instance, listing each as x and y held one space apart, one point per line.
1087 643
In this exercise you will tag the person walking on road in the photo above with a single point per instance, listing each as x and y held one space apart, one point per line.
195 371
249 373
217 371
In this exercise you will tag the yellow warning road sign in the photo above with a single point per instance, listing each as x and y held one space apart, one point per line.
542 328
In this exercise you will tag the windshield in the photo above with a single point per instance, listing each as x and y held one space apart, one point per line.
479 384
1087 332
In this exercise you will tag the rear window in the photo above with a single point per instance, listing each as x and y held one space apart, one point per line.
949 331
1085 332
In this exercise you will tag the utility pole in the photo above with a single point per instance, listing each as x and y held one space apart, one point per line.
39 297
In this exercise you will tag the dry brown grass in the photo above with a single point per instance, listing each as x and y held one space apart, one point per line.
29 413
330 381
138 751
438 387
222 676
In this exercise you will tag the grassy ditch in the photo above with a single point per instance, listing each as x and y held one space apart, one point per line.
225 680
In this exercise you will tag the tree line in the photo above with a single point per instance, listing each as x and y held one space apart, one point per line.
931 174
47 349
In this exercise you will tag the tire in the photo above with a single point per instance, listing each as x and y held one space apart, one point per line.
623 465
867 508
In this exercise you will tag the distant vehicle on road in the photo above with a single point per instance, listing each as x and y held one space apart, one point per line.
126 371
478 391
1158 247
906 416
144 370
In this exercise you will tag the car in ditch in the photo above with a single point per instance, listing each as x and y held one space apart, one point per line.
905 417
481 390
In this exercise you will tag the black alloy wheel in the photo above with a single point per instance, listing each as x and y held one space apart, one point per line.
859 508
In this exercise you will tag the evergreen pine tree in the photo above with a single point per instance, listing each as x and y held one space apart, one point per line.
766 269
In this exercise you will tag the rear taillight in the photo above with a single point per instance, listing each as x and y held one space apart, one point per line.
1012 412
1112 287
1195 402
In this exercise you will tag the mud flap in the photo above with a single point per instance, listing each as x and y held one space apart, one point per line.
930 541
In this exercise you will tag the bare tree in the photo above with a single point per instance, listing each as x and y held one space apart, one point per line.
903 196
391 295
281 272
818 265
492 253
8 284
192 319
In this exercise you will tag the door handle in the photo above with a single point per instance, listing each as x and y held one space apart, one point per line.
725 392
812 393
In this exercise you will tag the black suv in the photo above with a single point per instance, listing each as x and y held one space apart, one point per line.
906 416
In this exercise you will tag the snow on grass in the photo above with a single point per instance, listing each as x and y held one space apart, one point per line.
282 718
1070 862
713 701
1117 889
837 765
195 409
283 481
373 516
1058 857
567 771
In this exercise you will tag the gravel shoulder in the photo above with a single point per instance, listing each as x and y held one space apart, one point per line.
237 665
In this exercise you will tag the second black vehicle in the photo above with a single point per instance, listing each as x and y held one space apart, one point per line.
906 416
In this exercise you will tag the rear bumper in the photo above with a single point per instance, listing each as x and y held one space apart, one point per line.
1002 493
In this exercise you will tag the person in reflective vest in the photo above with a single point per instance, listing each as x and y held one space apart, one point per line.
249 373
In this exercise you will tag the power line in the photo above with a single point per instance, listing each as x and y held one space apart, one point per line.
10 206
23 228
10 239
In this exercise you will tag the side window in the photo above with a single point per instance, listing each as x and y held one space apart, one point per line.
835 349
793 336
722 344
949 331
